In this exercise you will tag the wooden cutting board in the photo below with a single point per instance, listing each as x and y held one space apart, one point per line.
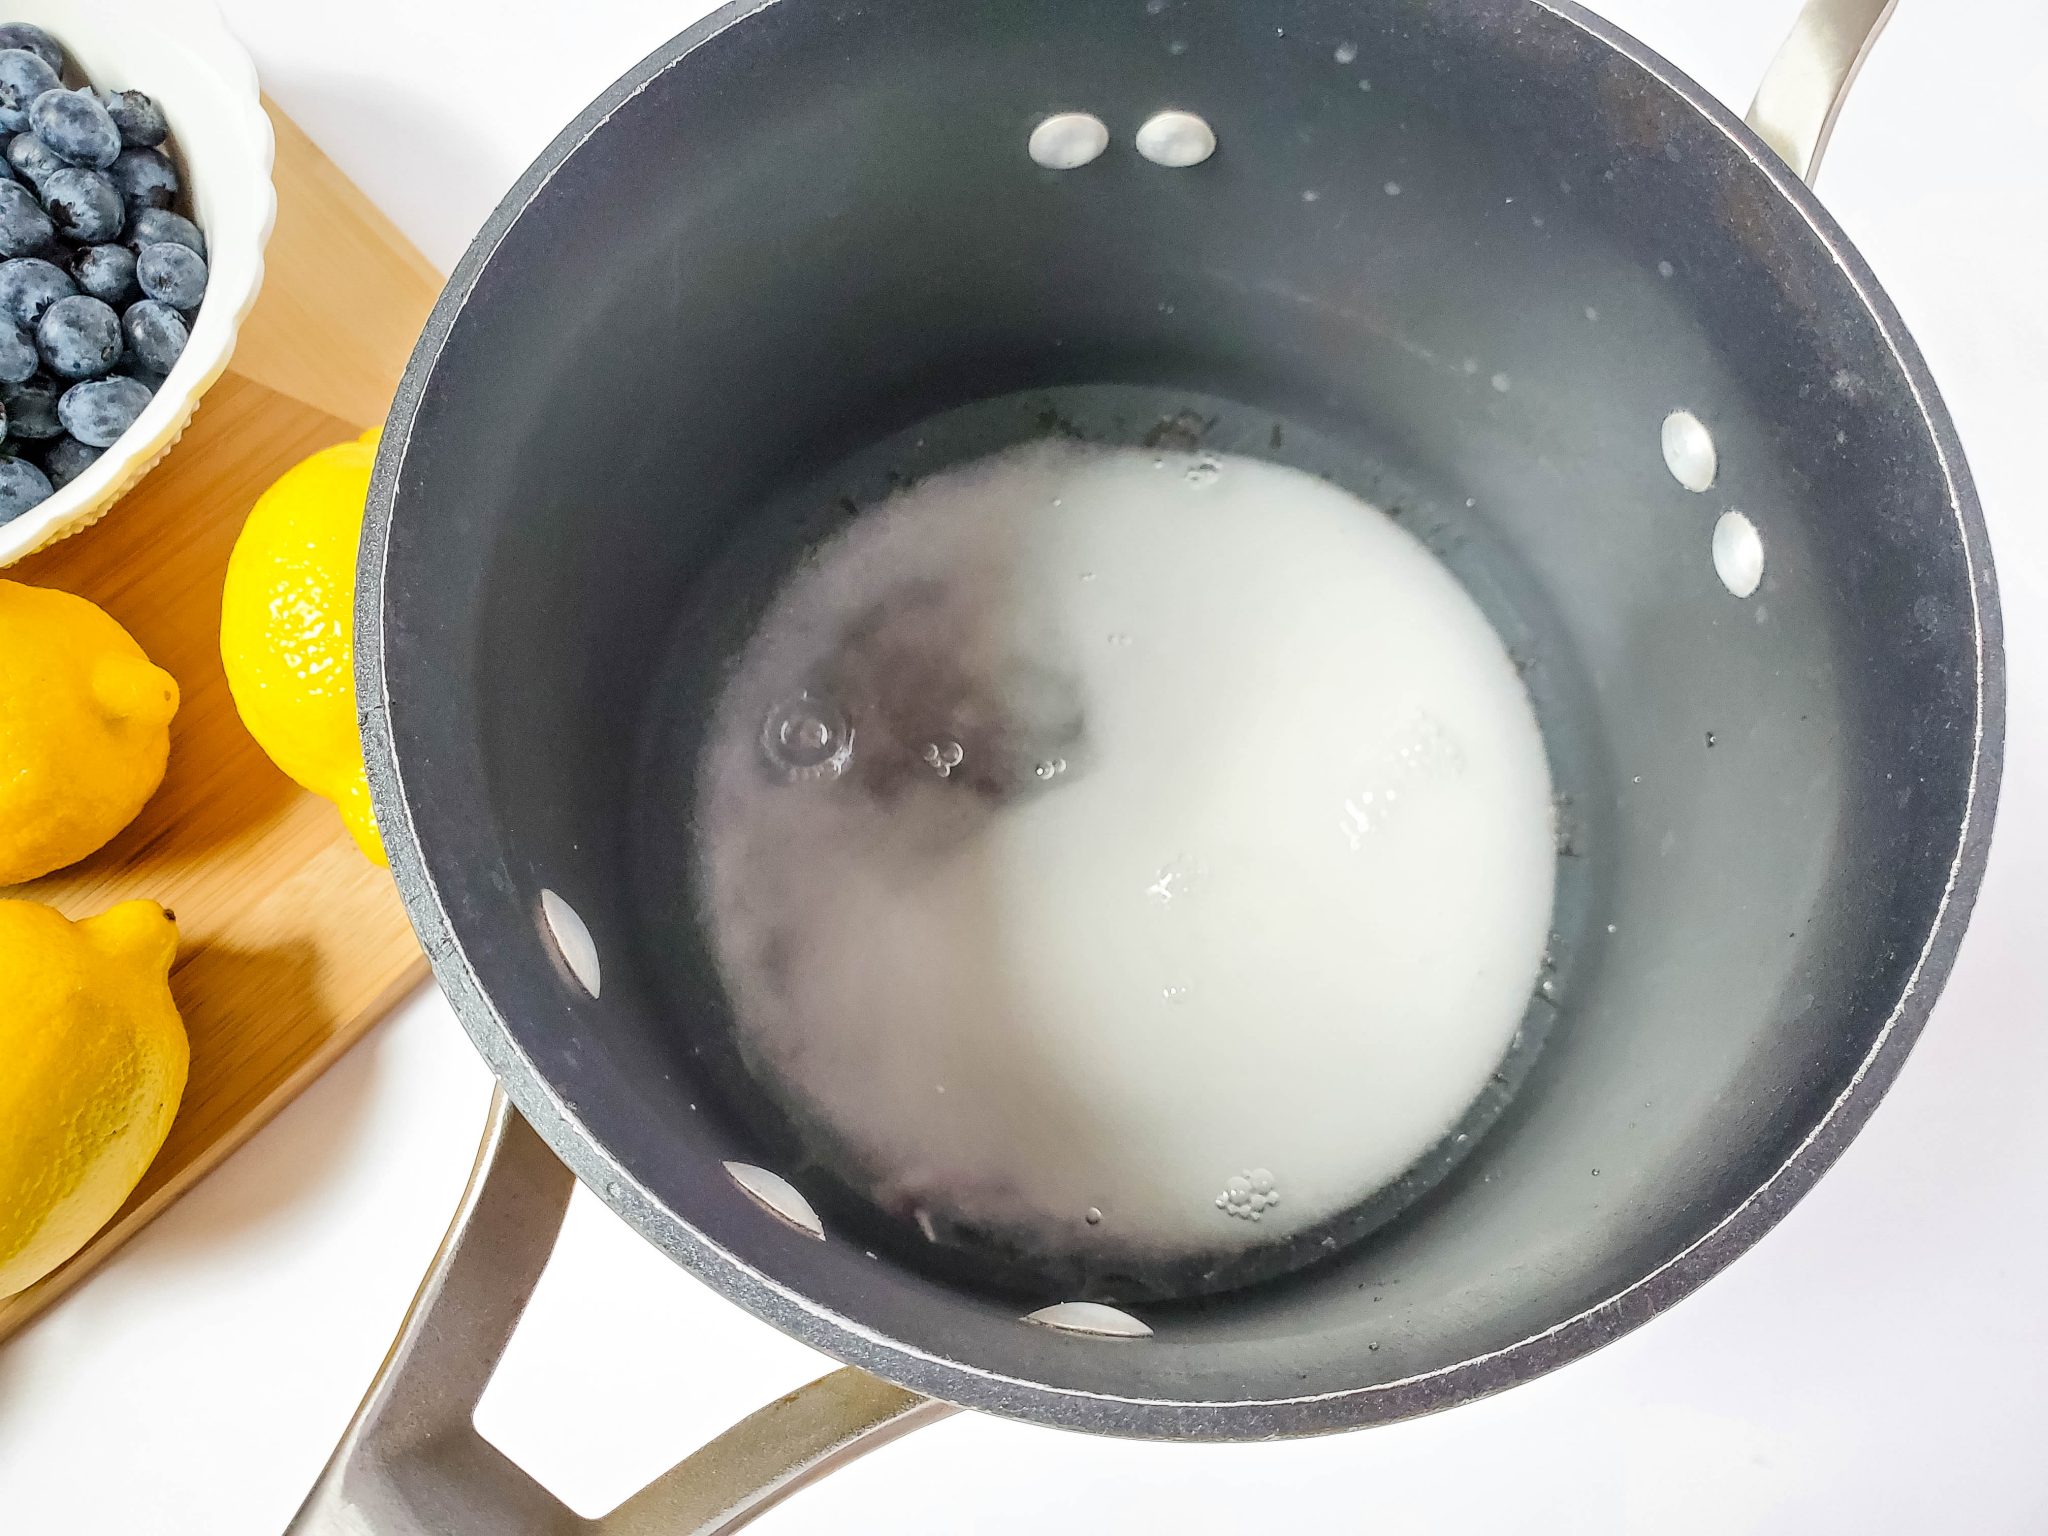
292 943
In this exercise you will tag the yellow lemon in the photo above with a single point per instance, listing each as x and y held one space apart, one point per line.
287 628
92 1063
84 730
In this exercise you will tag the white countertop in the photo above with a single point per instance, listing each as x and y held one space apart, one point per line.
1879 1364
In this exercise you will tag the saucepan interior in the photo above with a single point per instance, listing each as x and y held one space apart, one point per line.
1463 258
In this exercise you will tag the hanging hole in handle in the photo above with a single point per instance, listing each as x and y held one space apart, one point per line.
622 1363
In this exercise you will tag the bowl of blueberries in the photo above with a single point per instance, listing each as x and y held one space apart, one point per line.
135 204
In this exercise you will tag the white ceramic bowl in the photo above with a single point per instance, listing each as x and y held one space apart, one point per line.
181 53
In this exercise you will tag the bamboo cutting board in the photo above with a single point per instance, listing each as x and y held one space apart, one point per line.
292 943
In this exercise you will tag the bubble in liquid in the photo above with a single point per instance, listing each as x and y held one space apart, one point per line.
1174 880
1249 1195
944 756
806 739
1359 819
1204 472
1094 1216
1425 747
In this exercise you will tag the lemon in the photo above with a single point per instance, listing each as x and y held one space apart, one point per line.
92 1064
287 628
84 730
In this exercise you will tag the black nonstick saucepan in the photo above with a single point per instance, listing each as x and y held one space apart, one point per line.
808 227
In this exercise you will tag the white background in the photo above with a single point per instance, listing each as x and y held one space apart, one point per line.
1879 1364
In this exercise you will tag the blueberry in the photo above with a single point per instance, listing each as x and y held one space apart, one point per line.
31 160
98 411
76 127
80 338
172 273
22 487
145 178
32 409
150 226
20 34
30 285
18 356
156 334
23 77
67 458
24 227
139 119
107 272
84 205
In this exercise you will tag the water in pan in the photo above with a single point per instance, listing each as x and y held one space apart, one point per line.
1118 852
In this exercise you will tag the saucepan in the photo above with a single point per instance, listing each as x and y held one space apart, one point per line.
1590 335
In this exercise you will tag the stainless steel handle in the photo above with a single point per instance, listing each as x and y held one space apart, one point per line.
1803 90
413 1464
